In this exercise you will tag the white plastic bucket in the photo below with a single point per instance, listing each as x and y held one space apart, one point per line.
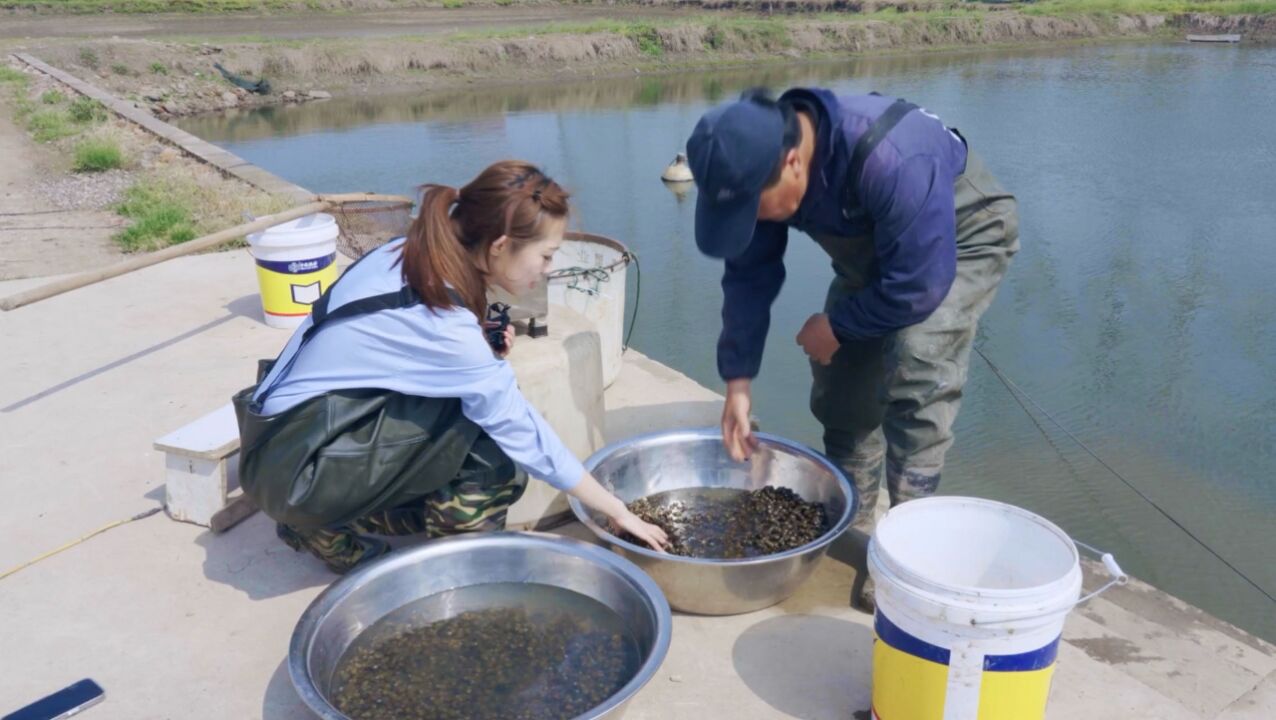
971 598
588 276
296 263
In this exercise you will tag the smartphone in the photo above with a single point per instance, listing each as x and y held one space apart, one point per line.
61 704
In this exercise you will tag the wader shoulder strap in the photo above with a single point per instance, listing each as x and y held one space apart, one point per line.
320 316
869 141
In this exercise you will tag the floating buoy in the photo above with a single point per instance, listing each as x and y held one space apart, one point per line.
680 189
678 170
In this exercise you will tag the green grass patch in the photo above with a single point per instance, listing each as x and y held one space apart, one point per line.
23 107
49 125
159 68
1165 7
585 27
770 34
160 218
87 110
759 33
153 6
12 75
51 120
647 39
97 155
120 69
88 58
1042 7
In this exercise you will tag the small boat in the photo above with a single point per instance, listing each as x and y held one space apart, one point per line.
1214 38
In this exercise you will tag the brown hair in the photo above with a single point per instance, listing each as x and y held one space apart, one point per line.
455 228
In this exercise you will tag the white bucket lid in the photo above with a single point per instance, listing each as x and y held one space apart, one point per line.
308 230
975 548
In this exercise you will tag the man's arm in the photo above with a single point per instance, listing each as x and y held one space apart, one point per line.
750 284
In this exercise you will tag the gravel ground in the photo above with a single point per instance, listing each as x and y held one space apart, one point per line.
96 191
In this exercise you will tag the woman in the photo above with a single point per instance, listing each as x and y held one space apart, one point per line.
391 411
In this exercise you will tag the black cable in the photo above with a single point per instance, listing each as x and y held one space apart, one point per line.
633 316
1016 392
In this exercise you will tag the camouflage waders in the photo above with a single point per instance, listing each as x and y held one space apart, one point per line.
477 500
895 398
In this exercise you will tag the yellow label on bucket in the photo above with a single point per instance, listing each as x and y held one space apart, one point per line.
1016 687
910 676
1014 695
290 287
910 679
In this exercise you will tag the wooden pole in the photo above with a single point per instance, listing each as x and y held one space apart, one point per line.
207 242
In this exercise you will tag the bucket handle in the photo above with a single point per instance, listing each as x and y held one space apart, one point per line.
1116 575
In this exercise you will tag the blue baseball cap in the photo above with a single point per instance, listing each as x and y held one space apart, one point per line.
733 152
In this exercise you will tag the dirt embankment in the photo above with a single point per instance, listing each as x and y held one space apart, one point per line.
178 78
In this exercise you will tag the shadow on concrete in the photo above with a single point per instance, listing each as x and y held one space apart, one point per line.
851 548
250 558
248 306
626 422
807 666
281 701
577 347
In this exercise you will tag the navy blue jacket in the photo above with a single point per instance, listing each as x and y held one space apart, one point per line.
905 201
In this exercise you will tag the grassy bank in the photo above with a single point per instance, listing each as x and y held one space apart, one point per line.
167 199
1040 7
156 6
176 77
1161 7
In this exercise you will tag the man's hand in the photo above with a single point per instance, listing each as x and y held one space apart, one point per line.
817 339
737 432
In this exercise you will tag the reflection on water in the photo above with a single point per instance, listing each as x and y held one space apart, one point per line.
1140 312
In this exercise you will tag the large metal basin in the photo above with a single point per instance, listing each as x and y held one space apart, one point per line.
357 601
674 460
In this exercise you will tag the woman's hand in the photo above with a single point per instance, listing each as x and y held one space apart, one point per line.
652 535
595 497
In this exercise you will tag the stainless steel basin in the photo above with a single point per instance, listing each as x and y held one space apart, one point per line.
360 599
675 460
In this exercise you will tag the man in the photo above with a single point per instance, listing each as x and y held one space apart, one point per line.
920 235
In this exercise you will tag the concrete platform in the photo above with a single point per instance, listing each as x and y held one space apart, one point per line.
175 622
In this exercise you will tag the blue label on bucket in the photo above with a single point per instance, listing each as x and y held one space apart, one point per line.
298 267
1022 662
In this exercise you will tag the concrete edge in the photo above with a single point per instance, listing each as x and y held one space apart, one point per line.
226 162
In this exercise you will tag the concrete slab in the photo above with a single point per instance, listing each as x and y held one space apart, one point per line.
561 375
1168 662
94 376
1257 704
176 622
1085 689
648 397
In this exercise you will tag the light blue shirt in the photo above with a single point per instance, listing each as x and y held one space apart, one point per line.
423 352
